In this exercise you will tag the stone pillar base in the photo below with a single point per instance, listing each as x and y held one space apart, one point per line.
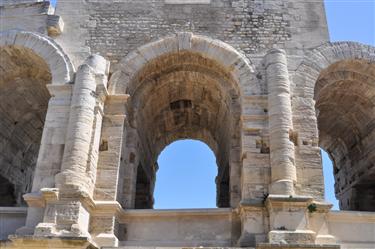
289 220
104 239
298 222
252 214
33 242
65 214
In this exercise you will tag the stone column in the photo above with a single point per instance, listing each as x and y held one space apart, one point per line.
67 213
283 171
79 141
288 213
92 164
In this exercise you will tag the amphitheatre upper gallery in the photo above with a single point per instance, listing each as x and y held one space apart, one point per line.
92 91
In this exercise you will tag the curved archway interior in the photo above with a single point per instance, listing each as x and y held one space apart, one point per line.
186 176
181 96
345 102
7 193
23 106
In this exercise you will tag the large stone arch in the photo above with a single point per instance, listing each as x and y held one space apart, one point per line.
339 79
238 65
60 66
31 67
194 60
325 55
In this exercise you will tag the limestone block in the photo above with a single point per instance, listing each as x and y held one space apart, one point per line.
55 25
253 222
263 116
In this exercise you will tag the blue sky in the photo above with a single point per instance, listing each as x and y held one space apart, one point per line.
186 178
351 20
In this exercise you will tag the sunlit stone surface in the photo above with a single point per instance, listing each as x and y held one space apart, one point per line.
91 93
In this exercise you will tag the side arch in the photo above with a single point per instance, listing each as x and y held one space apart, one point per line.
317 60
61 68
335 86
34 73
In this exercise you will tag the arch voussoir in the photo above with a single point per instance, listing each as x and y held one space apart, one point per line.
61 68
218 51
320 58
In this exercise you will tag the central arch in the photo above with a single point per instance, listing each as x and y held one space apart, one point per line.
181 87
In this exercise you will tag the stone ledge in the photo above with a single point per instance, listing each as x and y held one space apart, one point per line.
206 212
287 198
30 242
187 1
185 247
295 246
13 210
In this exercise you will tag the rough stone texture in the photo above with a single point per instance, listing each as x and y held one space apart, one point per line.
255 80
33 61
31 16
283 172
190 105
115 28
23 105
339 78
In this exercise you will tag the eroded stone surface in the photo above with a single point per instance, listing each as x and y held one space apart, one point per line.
85 142
345 94
24 98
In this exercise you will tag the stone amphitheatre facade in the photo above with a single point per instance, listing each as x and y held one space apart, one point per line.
92 92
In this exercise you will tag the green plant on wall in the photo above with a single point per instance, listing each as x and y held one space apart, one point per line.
312 207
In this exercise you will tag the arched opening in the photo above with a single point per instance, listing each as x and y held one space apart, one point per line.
23 106
178 96
7 193
186 176
345 103
329 180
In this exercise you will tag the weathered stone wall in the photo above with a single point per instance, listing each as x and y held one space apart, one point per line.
27 15
242 76
23 106
115 28
336 82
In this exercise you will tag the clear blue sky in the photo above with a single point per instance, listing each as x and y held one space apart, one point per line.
186 178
